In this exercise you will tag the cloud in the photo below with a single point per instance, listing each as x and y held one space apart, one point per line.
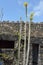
37 13
38 9
19 2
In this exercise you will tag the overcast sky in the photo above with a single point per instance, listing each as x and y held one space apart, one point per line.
14 9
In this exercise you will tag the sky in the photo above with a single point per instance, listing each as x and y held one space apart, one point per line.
12 10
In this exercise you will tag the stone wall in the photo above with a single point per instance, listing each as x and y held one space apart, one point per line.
14 27
11 28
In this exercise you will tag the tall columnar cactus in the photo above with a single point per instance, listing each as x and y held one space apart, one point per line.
31 18
19 42
24 58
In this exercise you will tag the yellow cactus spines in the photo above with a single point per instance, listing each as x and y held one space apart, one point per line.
25 3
